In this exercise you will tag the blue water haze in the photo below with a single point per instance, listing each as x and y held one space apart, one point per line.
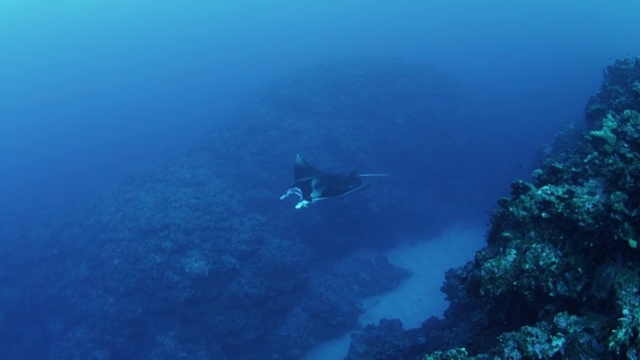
91 88
144 145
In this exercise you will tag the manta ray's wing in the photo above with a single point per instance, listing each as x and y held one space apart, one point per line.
304 178
303 170
326 186
329 186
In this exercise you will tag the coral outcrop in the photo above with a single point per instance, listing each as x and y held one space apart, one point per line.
560 275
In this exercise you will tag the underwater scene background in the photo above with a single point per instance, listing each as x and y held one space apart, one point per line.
144 146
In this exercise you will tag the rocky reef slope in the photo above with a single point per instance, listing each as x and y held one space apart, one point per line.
560 276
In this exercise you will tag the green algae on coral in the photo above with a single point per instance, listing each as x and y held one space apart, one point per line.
607 139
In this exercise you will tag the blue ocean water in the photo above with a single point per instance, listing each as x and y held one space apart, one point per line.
141 143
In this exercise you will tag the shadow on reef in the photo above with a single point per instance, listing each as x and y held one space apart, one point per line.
560 277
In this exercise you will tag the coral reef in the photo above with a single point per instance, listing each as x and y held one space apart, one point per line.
620 91
560 275
193 257
158 268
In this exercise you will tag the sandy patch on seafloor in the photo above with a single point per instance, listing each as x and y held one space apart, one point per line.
418 297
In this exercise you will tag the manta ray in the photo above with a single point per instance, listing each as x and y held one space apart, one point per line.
311 184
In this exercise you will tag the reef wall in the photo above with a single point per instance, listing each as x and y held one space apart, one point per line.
560 275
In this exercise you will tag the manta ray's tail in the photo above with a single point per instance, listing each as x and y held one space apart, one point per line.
370 182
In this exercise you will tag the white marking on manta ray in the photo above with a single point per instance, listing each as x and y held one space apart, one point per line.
312 185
